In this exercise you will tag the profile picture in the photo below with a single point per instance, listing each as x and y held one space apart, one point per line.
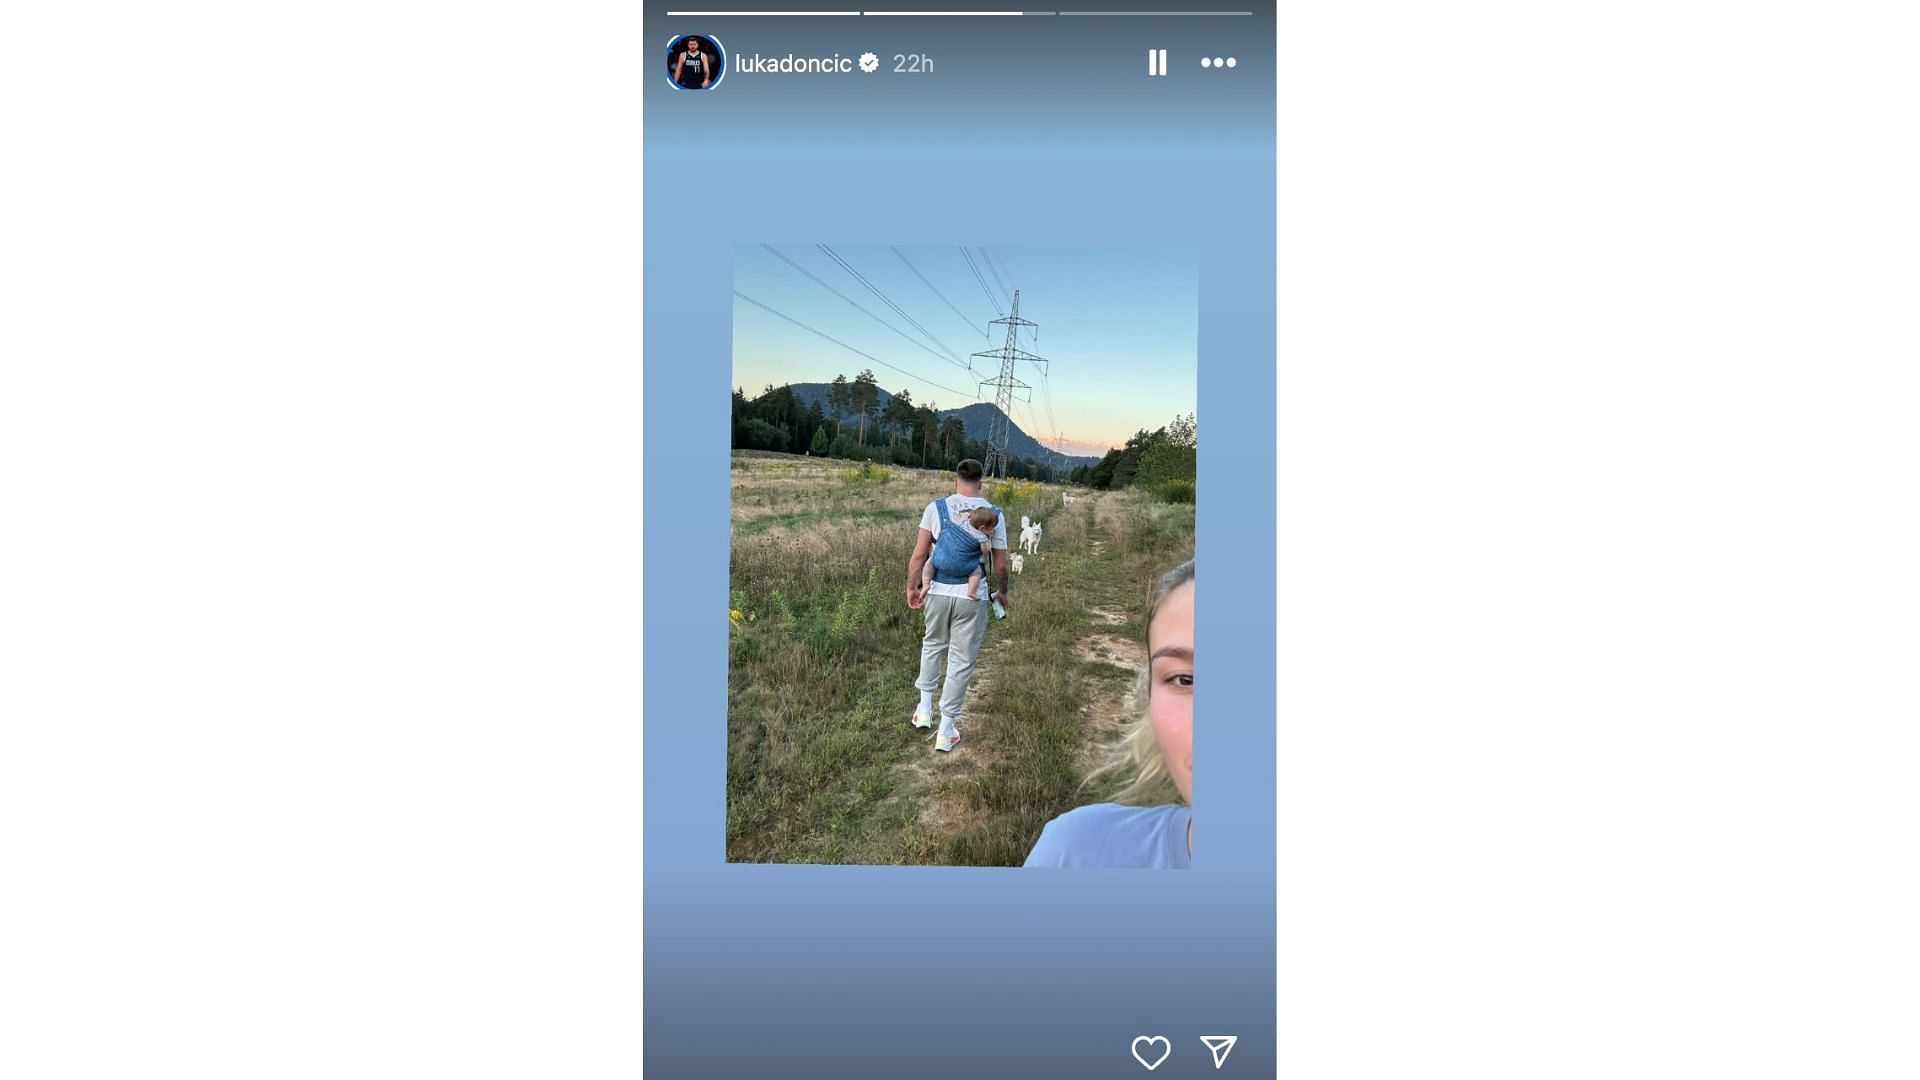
961 578
695 62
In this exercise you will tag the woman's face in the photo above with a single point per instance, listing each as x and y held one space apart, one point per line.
1170 694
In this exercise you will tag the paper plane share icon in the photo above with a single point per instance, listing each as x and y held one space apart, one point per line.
1221 1045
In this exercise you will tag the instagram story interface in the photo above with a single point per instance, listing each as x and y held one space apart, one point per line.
927 755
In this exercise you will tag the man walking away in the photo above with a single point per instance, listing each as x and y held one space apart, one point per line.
955 624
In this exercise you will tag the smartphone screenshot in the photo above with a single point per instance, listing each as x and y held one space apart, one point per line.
934 784
409 666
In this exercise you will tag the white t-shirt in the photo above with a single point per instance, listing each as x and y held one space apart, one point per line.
959 506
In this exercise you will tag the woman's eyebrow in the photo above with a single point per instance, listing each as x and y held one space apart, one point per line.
1174 651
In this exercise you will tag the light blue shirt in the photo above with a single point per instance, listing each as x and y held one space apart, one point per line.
1111 835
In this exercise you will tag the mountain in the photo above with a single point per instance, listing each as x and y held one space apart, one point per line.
976 419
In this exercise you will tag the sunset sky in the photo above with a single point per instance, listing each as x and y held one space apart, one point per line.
1118 328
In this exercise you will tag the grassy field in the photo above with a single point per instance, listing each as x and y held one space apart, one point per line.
822 765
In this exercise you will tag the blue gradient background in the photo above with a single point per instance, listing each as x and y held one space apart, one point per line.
1030 131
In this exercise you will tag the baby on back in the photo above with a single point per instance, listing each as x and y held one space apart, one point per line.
983 518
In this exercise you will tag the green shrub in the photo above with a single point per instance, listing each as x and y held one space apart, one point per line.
783 610
842 618
1177 491
857 607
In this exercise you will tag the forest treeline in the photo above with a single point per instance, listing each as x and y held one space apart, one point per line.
1165 462
856 426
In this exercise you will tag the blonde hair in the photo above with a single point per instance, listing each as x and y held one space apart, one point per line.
1136 758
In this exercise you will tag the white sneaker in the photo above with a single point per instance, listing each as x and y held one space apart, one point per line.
945 741
922 720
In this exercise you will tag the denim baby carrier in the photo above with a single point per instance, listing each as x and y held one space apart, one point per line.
956 552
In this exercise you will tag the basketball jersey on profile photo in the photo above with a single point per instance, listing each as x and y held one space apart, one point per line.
693 68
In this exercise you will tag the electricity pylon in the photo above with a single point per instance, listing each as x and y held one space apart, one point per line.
1004 386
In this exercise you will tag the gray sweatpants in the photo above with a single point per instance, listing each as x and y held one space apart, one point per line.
955 628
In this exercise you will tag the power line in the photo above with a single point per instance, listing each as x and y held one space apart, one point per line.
848 347
996 264
1046 398
1024 412
1004 268
994 258
1004 385
986 256
981 280
978 277
897 309
1051 458
937 292
1035 421
917 343
981 254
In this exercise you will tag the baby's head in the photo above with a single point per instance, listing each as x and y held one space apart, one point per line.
984 518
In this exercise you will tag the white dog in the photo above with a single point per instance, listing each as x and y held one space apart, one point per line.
1029 536
1016 559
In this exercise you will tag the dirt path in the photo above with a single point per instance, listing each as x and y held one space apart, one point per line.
1104 672
1113 704
938 781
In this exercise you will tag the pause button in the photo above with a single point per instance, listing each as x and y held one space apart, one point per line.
1156 62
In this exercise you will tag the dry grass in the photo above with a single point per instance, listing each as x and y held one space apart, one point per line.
821 763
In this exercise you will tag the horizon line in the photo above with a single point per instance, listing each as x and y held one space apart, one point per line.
1108 445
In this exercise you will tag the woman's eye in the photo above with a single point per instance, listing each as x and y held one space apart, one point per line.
1181 679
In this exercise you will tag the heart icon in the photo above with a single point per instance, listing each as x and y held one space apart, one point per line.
1165 1044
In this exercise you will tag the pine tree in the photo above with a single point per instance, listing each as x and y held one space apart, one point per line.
1128 465
865 393
840 399
928 421
897 417
953 439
